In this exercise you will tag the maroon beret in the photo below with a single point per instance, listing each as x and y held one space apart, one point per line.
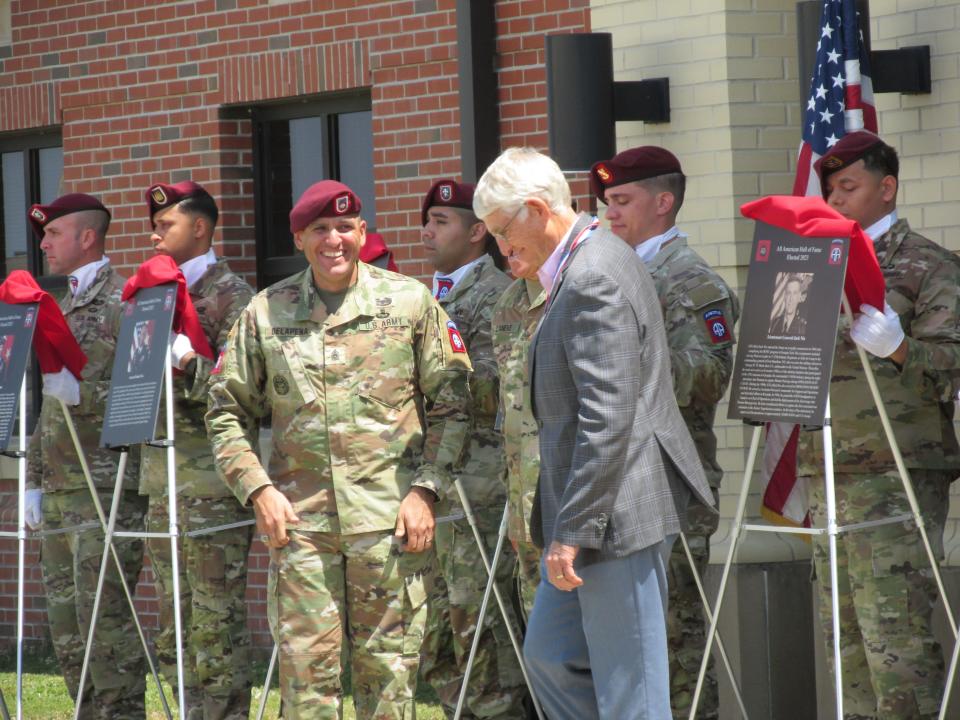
448 193
161 196
637 163
851 148
327 198
40 215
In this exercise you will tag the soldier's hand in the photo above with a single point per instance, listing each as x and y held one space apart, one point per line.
273 512
415 521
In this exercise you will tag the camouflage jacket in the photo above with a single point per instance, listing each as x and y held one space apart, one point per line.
94 317
515 319
470 305
364 403
923 287
695 299
219 296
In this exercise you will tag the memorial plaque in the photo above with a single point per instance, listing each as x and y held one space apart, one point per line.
17 323
788 329
137 380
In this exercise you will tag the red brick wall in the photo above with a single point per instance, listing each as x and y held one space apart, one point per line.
138 94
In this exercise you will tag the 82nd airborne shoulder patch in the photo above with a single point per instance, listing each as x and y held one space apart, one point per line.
717 326
456 342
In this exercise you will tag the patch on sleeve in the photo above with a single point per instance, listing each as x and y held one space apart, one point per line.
717 326
456 342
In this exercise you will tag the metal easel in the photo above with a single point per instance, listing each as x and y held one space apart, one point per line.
832 530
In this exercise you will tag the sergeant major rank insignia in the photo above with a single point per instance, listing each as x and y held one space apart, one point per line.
716 326
281 385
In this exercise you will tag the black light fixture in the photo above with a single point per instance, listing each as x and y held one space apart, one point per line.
584 102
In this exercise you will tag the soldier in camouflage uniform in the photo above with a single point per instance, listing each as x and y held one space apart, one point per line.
892 666
366 381
467 284
213 567
644 188
515 318
72 231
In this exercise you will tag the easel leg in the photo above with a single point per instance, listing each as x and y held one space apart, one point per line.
709 614
735 528
107 543
266 683
491 585
832 541
116 557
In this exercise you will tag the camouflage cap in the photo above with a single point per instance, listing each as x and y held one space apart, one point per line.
327 198
637 163
39 215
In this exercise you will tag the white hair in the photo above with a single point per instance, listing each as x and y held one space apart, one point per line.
517 174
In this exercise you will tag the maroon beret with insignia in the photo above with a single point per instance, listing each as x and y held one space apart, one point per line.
40 215
327 198
162 196
637 163
847 151
448 193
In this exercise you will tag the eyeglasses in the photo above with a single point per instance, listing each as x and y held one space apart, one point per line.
501 234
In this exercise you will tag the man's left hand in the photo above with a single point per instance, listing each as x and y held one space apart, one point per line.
559 562
415 521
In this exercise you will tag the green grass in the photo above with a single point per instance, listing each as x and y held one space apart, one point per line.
45 694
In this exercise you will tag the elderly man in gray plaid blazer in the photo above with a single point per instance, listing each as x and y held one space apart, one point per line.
618 466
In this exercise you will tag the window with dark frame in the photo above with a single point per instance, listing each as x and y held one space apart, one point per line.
31 171
294 146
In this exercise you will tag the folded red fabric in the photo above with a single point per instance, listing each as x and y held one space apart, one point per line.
812 217
161 269
53 341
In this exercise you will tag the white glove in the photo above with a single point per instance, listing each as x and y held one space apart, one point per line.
33 514
180 346
879 333
63 386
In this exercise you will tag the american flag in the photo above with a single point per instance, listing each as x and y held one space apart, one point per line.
840 101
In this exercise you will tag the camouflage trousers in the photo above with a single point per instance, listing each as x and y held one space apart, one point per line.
213 586
527 575
71 565
497 688
358 596
892 666
686 621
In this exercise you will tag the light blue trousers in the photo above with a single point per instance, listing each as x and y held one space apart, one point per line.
601 650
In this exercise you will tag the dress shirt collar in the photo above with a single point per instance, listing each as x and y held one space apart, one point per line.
194 268
85 275
648 249
548 271
880 227
454 277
